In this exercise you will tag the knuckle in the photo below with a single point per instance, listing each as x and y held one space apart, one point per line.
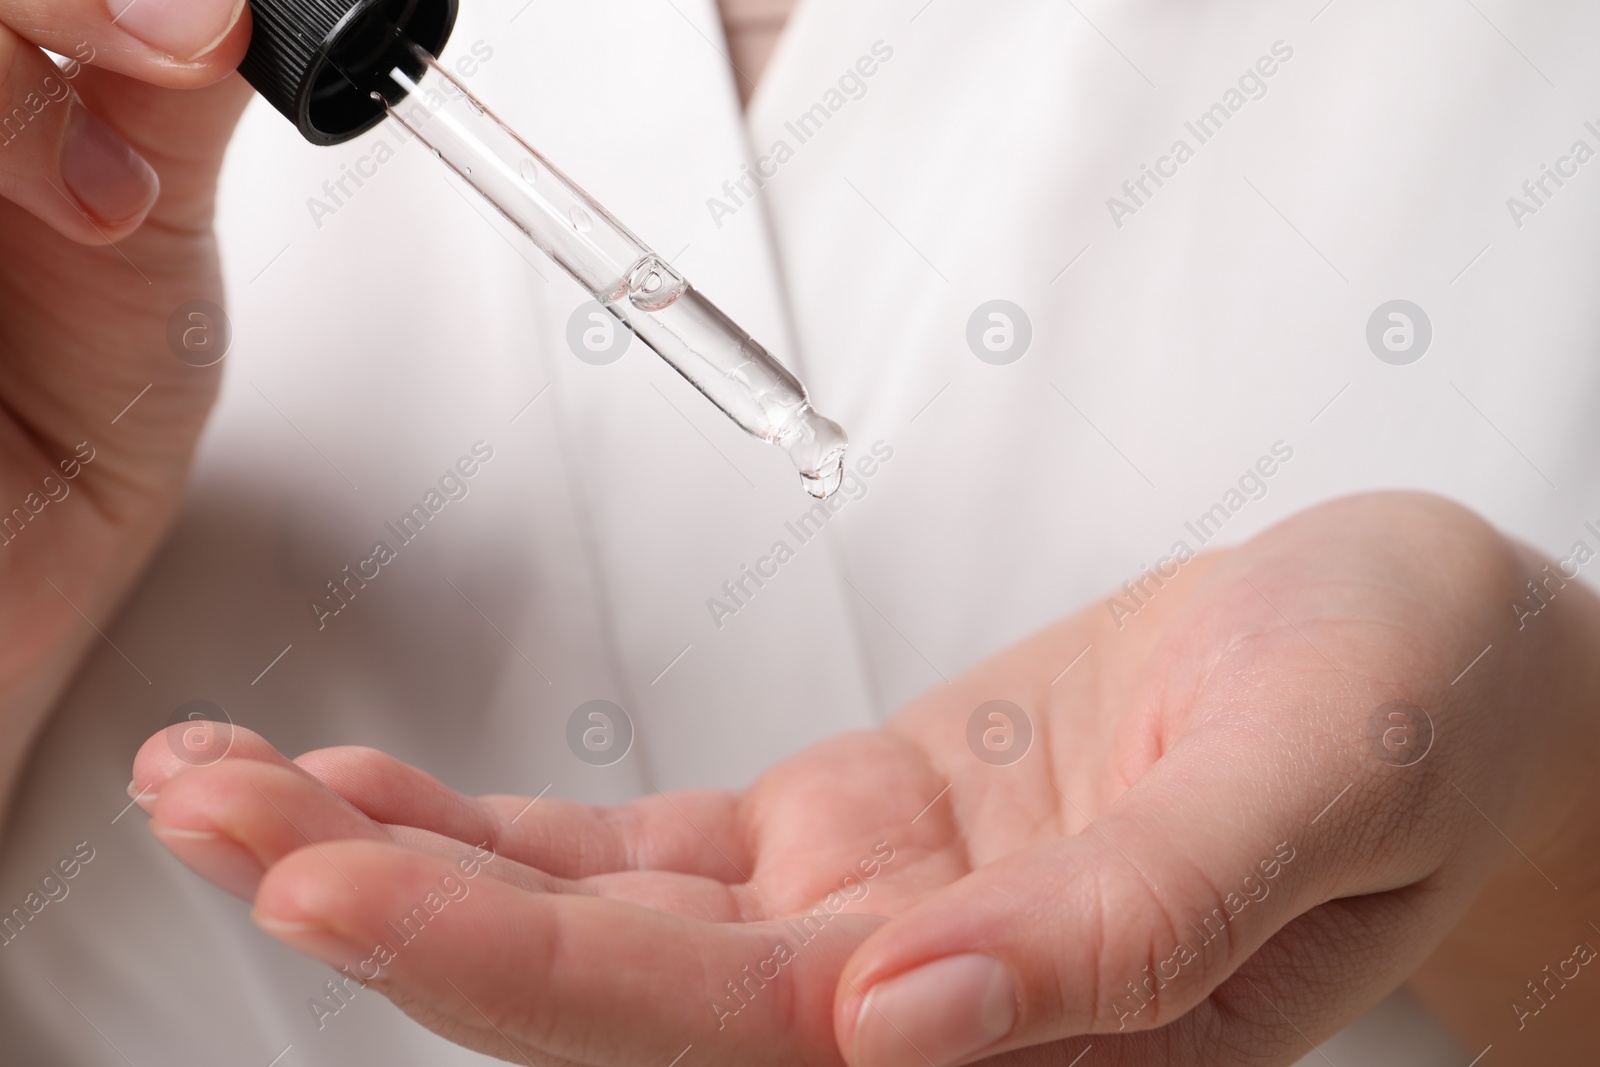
1161 950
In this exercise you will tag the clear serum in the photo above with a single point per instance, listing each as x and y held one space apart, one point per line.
337 68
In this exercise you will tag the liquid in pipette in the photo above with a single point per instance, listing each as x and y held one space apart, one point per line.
633 283
731 369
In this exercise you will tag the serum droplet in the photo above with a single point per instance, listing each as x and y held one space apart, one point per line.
823 484
653 285
530 173
817 447
580 219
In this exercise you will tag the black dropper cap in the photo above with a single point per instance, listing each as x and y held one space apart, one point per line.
319 61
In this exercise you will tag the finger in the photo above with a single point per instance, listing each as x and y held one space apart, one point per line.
183 133
695 833
214 825
391 791
1222 842
231 820
187 745
1123 927
542 978
177 43
1275 1010
81 146
61 162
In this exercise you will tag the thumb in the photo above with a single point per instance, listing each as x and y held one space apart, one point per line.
89 142
1291 848
1137 919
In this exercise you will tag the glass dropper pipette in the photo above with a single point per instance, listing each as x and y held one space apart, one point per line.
633 283
336 68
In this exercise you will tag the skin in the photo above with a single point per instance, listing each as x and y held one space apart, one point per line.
1172 760
1215 731
87 289
752 28
83 330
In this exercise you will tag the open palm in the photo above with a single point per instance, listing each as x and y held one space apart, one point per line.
1137 839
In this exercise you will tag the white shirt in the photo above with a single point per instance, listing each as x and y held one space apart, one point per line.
1177 336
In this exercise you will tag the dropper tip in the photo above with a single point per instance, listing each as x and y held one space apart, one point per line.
817 447
824 482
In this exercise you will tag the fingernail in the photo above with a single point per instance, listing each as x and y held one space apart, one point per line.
940 1013
145 798
314 939
110 180
183 29
214 857
178 833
